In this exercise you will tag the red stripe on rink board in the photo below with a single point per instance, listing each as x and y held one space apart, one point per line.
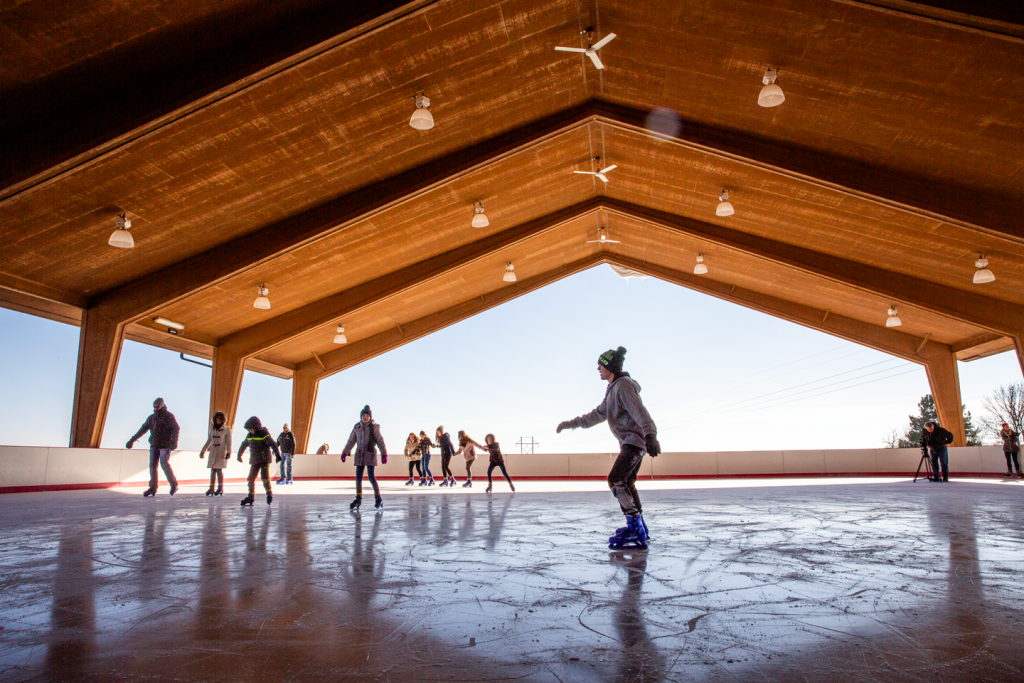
667 477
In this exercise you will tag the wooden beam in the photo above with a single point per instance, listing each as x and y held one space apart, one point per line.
226 383
944 380
43 307
305 386
99 348
924 341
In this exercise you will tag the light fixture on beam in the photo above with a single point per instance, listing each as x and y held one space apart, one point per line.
893 320
172 327
700 268
479 218
724 206
262 302
982 274
509 275
339 337
771 94
121 238
422 119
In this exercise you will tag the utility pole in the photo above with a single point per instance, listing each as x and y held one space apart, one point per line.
524 444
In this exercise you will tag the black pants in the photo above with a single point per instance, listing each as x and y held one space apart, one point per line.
419 470
622 479
369 475
490 468
264 472
1015 459
446 466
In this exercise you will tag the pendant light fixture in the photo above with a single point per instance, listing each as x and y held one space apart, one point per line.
982 274
509 275
339 337
700 268
771 94
121 238
422 119
893 320
262 302
479 219
724 207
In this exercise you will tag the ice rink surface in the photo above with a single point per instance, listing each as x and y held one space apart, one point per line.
811 580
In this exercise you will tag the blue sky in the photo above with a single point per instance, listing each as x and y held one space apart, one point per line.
715 376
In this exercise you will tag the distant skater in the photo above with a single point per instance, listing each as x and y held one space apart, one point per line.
366 438
163 438
1011 449
286 443
260 443
425 445
444 442
496 460
934 443
218 441
467 449
412 454
324 448
635 430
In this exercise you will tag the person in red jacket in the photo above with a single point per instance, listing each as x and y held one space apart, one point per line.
163 438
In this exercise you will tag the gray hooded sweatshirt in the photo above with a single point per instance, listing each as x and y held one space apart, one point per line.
366 438
627 418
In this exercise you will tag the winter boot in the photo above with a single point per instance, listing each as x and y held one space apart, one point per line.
378 502
209 491
219 491
356 503
149 492
248 500
410 482
174 488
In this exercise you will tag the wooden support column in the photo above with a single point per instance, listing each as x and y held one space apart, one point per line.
226 384
99 348
1018 341
945 383
305 384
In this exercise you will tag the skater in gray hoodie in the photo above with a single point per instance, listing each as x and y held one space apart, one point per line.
633 427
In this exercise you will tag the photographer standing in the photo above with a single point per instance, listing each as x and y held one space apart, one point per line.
934 443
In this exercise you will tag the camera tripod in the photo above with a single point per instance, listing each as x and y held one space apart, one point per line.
926 462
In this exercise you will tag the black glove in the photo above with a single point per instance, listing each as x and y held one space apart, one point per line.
561 426
129 444
277 458
653 447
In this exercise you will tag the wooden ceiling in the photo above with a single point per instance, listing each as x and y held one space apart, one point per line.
287 159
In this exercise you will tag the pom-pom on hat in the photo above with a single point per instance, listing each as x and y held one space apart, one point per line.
612 360
365 411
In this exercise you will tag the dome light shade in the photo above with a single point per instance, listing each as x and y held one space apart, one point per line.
262 302
724 207
422 119
700 268
982 274
121 238
479 219
893 319
771 94
340 338
509 275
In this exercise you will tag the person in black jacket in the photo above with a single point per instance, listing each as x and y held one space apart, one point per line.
934 442
260 443
444 442
163 438
286 442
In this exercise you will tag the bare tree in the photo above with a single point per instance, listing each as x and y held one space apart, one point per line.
1006 404
892 438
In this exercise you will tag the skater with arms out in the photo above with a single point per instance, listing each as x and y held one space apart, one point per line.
260 443
635 430
366 438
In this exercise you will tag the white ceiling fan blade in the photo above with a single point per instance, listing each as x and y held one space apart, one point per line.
593 241
610 168
604 41
613 242
601 176
570 49
595 59
585 172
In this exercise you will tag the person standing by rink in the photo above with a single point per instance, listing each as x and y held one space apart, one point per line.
934 443
444 442
1011 449
636 432
260 443
496 460
366 438
427 478
286 442
219 443
163 438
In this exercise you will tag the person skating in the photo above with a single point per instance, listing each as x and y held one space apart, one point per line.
412 454
496 460
218 442
467 449
286 442
260 443
637 434
427 478
444 442
934 443
1011 449
366 438
163 438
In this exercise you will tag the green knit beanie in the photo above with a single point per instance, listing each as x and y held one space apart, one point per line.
612 360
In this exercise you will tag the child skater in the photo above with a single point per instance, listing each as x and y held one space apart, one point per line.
412 454
427 478
366 438
633 427
496 460
260 443
444 442
467 449
219 443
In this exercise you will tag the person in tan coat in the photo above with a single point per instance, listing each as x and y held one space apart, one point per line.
218 442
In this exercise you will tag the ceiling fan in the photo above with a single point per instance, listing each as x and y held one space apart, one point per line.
602 237
600 174
592 49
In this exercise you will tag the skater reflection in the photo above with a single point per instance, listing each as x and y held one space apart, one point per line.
154 560
256 565
365 573
468 524
214 586
73 615
496 521
641 660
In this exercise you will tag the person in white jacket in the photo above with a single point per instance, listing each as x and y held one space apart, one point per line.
637 434
219 444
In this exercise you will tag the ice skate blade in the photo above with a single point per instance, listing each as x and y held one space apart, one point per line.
628 545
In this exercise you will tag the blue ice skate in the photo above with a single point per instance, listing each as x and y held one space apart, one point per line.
633 536
622 529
